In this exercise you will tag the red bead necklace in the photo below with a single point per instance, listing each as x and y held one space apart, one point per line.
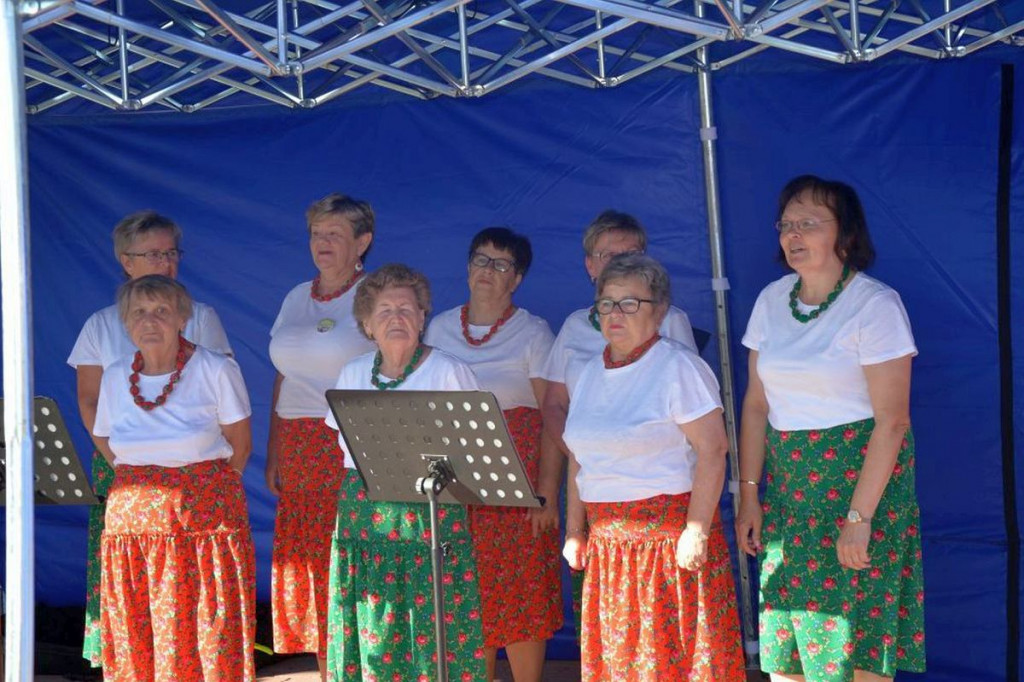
464 318
633 356
323 298
138 364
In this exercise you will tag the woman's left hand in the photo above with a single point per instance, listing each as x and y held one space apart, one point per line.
691 549
852 545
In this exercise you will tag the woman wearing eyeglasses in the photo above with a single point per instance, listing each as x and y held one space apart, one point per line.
580 339
517 552
826 419
145 243
648 451
314 336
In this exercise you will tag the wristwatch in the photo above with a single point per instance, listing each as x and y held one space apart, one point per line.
853 516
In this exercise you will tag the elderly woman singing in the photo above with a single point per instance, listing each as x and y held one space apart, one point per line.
178 575
145 243
380 608
648 443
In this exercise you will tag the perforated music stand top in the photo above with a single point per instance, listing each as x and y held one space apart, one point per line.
59 477
393 434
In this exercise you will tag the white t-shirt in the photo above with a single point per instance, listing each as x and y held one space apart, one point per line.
185 429
104 339
505 364
623 423
439 372
578 341
309 344
812 373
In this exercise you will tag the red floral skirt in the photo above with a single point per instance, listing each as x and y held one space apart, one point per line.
311 468
520 583
644 618
178 576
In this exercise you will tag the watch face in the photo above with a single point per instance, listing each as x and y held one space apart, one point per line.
853 516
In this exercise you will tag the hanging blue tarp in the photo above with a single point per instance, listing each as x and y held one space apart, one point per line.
919 143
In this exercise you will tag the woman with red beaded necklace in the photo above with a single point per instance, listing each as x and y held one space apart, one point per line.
517 552
380 612
145 243
314 335
178 568
648 452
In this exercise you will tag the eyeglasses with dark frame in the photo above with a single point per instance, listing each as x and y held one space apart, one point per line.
482 260
802 226
628 306
156 256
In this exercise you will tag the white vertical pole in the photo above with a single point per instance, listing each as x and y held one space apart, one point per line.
15 277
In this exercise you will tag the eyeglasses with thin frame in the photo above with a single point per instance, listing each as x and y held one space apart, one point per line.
628 306
605 256
156 256
481 260
802 226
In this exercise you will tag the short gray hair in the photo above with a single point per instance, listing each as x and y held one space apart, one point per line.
356 211
613 221
139 224
154 286
386 277
640 267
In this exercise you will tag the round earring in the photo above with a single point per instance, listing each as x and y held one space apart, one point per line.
359 266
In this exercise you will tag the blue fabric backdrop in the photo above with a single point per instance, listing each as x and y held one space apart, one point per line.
545 159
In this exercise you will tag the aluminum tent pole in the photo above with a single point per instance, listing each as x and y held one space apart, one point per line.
17 349
720 286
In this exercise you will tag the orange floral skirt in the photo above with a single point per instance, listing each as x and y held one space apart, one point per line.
311 469
520 579
644 618
178 577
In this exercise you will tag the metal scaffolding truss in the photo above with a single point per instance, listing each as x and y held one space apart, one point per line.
191 54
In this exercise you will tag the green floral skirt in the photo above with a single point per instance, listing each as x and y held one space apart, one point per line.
380 613
102 479
818 618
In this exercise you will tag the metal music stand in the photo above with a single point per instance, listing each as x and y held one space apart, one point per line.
451 446
59 477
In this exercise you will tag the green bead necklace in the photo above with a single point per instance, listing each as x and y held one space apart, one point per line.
385 385
805 318
593 318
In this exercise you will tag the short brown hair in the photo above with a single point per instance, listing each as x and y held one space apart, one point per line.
154 286
356 211
853 244
386 277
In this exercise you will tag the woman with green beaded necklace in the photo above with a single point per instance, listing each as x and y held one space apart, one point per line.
838 537
379 596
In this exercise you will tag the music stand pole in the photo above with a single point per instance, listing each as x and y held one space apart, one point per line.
432 486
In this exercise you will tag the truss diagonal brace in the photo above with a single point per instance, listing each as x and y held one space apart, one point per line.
437 67
375 36
224 56
544 35
924 29
277 65
73 70
785 16
658 16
